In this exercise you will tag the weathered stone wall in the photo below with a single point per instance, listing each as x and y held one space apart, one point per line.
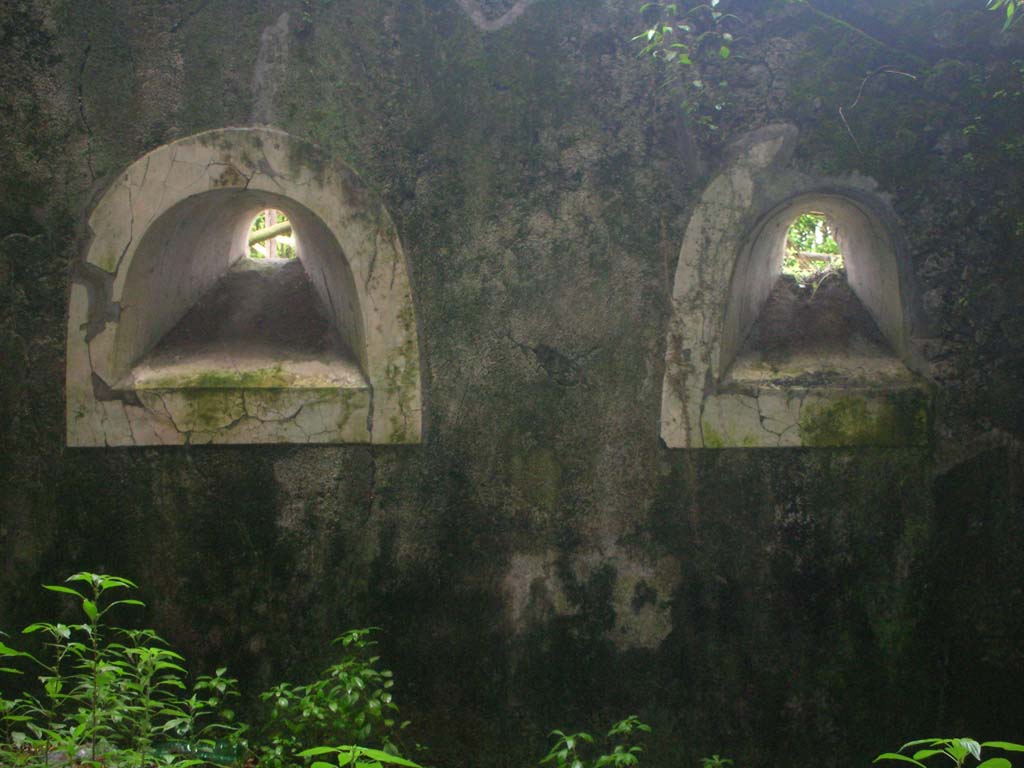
542 560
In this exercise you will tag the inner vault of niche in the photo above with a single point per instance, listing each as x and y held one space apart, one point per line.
257 324
836 327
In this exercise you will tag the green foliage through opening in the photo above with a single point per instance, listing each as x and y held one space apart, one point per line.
812 250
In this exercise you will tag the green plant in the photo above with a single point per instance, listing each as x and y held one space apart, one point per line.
812 232
1008 7
350 702
957 750
715 761
681 30
810 238
112 696
571 749
355 756
281 246
687 37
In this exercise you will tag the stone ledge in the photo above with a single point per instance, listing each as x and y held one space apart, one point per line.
765 417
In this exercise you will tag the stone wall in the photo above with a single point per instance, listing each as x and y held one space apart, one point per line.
542 559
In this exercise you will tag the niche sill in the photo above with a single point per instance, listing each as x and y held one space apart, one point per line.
854 370
816 372
861 396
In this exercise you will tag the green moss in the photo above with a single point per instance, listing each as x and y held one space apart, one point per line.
210 411
263 378
107 262
402 376
539 474
901 418
350 401
711 438
714 439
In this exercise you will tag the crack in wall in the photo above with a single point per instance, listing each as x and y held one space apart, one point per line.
131 231
188 16
81 112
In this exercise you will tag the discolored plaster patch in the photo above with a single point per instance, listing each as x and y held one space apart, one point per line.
540 587
490 23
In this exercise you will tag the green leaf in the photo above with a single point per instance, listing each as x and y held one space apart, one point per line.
970 745
90 609
932 742
88 578
921 754
316 751
995 762
897 756
65 590
6 650
108 582
1008 746
724 52
125 602
383 757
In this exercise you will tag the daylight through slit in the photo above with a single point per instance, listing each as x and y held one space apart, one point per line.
271 236
812 249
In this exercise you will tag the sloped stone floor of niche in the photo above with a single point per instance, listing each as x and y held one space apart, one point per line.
824 337
260 327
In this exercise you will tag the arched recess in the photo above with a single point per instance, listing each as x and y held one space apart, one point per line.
175 336
730 261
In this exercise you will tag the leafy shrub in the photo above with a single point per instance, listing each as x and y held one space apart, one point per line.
958 750
356 757
350 703
113 696
574 750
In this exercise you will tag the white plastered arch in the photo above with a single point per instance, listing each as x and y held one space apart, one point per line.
171 225
729 262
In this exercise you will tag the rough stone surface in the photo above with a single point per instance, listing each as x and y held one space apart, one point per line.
541 560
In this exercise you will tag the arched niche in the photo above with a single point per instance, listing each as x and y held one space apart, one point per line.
730 261
175 336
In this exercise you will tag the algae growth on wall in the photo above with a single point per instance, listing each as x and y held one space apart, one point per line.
541 559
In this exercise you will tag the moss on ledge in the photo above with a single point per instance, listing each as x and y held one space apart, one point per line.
901 418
